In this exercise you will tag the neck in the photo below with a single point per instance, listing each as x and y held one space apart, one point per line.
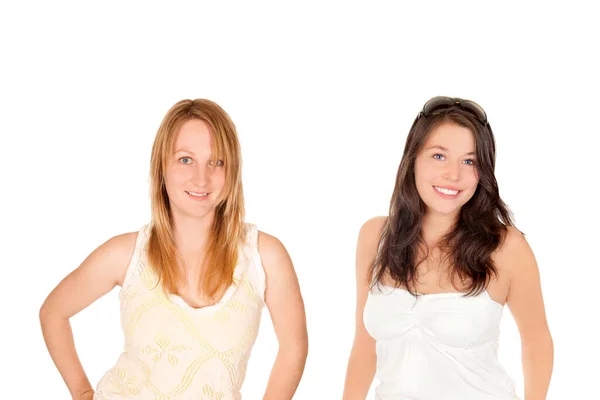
436 225
191 236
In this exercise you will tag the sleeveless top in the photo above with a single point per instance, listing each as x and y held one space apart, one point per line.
175 351
436 346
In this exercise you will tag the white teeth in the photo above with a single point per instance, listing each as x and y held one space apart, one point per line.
197 194
446 191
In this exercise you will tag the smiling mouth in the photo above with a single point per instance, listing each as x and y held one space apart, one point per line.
198 194
447 192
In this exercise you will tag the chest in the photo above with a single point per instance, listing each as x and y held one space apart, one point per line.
152 319
190 296
434 276
448 318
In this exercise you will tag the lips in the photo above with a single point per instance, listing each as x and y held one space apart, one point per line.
447 191
197 194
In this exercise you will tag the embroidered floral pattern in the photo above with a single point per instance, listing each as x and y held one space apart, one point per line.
212 394
126 384
164 349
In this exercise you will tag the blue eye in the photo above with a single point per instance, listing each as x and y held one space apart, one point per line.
438 156
218 163
185 160
470 162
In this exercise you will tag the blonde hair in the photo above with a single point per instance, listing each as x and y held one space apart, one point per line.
227 230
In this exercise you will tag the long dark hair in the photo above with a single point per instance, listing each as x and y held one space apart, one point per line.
479 230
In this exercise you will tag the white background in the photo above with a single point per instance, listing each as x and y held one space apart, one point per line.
323 96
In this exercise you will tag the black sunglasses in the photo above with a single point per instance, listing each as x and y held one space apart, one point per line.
439 103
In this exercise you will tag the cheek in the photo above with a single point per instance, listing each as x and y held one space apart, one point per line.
174 177
424 173
218 179
472 179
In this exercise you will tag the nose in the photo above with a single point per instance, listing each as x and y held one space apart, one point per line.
452 172
201 176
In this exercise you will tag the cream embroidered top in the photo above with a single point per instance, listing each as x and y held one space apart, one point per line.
174 351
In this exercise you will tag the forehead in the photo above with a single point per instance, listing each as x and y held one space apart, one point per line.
193 135
453 137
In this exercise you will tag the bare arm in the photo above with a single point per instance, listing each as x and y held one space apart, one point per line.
363 359
286 307
527 307
100 272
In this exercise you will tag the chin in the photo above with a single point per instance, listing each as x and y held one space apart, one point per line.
195 212
201 213
444 210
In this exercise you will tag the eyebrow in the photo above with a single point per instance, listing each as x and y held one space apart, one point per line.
184 151
445 149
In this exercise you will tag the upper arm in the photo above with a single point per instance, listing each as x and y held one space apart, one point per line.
97 275
525 292
366 251
282 294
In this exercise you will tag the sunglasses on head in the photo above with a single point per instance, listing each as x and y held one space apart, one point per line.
440 103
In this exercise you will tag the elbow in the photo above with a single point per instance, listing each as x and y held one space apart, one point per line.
43 313
301 351
45 316
296 352
47 312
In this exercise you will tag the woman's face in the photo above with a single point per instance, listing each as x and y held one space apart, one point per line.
193 180
445 169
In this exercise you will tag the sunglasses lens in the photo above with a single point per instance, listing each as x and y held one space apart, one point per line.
475 109
437 103
440 103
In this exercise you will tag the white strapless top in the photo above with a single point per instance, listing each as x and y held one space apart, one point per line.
436 346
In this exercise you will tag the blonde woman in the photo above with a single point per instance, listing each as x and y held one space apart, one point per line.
193 281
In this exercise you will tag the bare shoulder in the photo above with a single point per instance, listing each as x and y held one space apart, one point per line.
524 298
120 247
281 279
99 273
373 226
123 244
282 295
513 244
366 248
514 253
115 254
370 232
270 248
